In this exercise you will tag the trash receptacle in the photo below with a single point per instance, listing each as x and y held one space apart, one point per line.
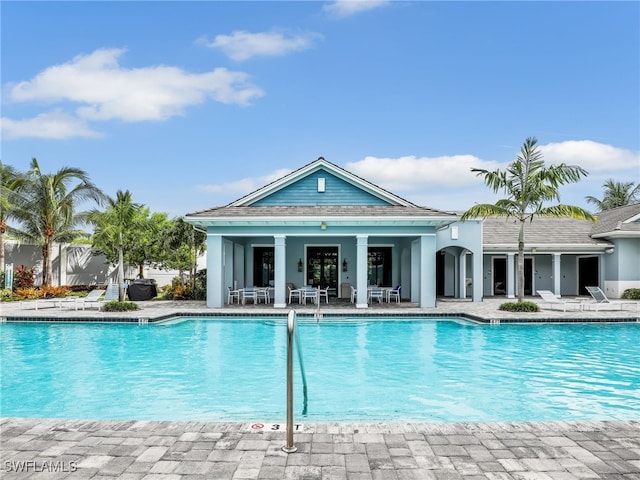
345 290
142 289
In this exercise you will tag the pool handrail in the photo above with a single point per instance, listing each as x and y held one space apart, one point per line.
292 336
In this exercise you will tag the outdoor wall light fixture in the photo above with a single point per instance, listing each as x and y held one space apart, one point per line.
344 265
323 226
300 265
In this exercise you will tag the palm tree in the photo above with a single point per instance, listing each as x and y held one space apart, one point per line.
46 209
616 194
528 185
10 183
112 228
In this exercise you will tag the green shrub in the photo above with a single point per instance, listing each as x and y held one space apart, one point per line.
631 294
6 295
116 306
200 290
519 307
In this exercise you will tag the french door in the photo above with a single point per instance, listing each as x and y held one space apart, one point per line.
322 267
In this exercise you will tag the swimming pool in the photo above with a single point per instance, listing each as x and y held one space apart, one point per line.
393 370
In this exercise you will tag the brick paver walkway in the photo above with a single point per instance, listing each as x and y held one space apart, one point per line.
132 450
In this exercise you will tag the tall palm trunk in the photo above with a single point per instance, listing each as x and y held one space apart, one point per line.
3 228
120 270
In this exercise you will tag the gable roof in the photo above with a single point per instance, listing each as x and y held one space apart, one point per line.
618 222
320 164
393 210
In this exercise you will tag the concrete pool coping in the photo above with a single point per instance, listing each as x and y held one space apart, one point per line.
156 310
132 450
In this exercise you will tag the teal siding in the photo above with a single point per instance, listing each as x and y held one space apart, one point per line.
305 192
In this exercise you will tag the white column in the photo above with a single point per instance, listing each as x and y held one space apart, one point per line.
462 274
477 276
215 271
428 270
362 245
555 260
280 272
511 275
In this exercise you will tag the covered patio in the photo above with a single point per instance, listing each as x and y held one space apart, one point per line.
323 227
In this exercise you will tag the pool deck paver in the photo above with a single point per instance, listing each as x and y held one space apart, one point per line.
32 448
88 449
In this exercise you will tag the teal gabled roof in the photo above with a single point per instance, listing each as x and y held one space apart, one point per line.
297 197
300 187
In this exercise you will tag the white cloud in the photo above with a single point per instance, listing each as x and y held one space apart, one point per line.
591 156
245 185
54 125
447 183
347 8
108 91
241 45
411 173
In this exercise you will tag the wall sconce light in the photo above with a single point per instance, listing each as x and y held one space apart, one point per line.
344 265
323 226
300 265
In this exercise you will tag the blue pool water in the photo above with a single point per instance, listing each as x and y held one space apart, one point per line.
371 371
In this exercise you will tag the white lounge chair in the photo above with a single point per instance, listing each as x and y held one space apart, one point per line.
93 297
601 300
49 302
549 298
354 294
110 294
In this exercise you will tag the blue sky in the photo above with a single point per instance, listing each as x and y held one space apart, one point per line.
190 105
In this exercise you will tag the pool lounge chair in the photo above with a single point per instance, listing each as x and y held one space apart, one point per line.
92 298
549 298
110 294
49 302
600 300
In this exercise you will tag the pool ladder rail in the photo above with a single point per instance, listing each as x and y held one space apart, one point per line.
293 337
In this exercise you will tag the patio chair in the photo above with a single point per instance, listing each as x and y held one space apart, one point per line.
354 294
394 293
323 293
294 293
601 300
249 293
310 293
262 294
376 293
231 294
549 298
